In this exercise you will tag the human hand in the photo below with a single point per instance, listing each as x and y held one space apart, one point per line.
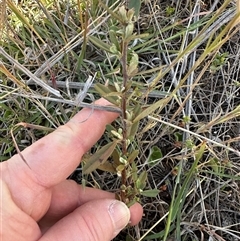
38 203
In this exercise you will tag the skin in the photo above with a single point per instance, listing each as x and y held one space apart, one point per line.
38 203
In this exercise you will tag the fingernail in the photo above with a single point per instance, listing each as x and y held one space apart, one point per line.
119 214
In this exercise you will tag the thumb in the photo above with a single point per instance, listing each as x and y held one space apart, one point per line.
98 220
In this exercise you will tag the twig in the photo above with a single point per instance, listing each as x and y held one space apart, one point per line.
16 146
71 102
78 85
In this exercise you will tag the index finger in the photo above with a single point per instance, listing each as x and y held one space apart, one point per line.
53 158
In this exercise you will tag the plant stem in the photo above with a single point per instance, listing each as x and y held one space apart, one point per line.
124 114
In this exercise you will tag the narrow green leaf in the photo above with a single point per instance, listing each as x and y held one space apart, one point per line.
138 36
159 104
122 12
136 5
120 168
105 92
99 157
159 235
115 157
150 193
177 203
214 165
3 158
99 43
137 108
107 167
141 182
83 183
132 68
134 172
8 150
132 156
113 38
102 89
133 129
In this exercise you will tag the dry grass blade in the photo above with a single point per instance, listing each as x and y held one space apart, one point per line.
197 135
28 73
2 16
69 102
75 41
10 76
